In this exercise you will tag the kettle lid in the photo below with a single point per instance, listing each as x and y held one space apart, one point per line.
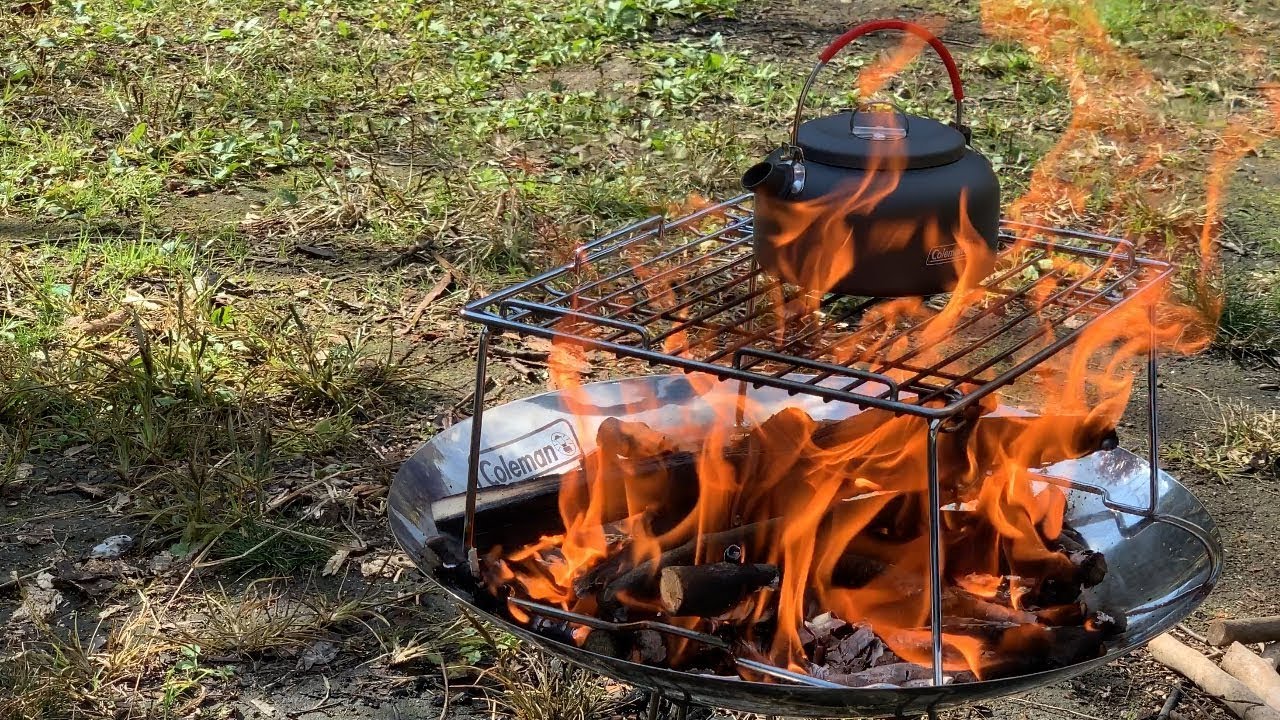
864 138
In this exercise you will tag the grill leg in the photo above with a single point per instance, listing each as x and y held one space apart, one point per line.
655 702
935 552
473 457
1153 427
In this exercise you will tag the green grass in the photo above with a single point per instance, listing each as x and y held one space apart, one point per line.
1161 21
1249 326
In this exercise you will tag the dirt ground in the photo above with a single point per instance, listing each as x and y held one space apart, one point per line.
371 664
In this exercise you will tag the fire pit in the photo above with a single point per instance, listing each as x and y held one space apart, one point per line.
708 577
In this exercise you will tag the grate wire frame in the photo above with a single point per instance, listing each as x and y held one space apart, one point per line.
687 293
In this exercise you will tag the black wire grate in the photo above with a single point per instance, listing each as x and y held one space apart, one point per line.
687 293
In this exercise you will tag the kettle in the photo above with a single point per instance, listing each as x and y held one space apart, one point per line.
874 202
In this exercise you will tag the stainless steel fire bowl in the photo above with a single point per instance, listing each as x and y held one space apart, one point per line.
1161 565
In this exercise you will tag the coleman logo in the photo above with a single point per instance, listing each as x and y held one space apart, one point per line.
545 449
944 254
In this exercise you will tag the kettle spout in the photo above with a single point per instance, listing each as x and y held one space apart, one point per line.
775 177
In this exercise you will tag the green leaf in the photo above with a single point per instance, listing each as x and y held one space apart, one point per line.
19 72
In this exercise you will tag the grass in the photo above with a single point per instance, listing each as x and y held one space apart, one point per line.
1247 327
1243 443
217 218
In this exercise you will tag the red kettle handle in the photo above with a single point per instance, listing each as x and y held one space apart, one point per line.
957 90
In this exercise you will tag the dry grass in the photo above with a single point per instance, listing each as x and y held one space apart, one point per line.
129 668
1242 442
268 617
534 686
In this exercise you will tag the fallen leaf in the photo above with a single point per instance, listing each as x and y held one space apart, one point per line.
321 652
316 251
96 328
335 561
110 610
536 344
385 564
133 298
38 602
117 502
31 7
161 562
94 492
263 707
112 547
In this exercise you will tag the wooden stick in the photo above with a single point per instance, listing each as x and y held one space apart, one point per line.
1240 700
1244 630
1257 674
640 579
711 589
1271 653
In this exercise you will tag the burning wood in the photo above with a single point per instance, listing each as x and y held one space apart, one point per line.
768 538
708 590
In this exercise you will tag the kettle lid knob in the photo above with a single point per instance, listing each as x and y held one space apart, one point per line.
878 120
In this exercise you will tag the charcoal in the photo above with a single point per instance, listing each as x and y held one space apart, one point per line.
648 647
895 674
855 652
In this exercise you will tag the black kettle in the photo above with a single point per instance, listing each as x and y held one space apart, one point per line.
874 202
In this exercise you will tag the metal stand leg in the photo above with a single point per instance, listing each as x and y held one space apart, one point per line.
935 552
655 702
473 467
1153 418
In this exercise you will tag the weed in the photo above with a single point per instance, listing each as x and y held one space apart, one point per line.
1249 319
67 676
263 618
1244 442
348 376
37 684
1157 20
534 686
250 545
186 676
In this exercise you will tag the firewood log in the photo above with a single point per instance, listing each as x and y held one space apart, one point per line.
1244 630
632 439
1239 699
641 580
854 571
1091 565
1271 653
711 589
1256 673
602 642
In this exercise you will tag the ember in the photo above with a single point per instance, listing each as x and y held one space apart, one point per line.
804 543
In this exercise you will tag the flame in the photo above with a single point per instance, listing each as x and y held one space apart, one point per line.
816 494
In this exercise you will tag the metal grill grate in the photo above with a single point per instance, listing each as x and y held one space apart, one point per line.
687 293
